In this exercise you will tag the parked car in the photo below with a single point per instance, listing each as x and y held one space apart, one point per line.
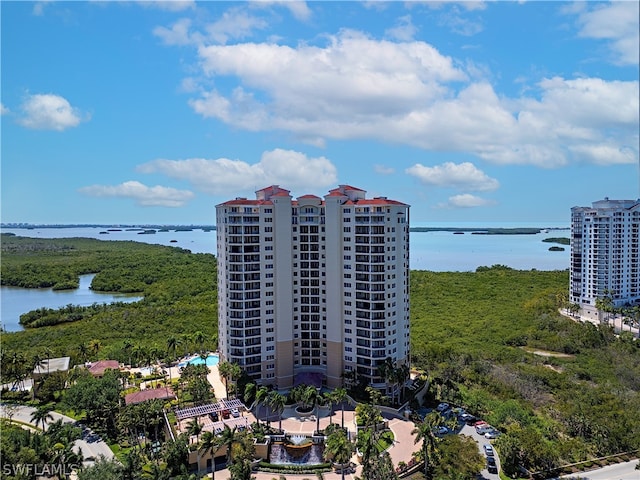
442 407
491 465
482 428
468 418
488 449
442 430
235 412
491 434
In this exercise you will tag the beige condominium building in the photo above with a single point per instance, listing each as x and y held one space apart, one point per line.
604 254
310 288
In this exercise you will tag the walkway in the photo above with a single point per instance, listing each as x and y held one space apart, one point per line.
401 450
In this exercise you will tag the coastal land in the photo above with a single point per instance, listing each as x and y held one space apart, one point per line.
474 334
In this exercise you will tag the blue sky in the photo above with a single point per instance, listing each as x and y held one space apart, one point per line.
154 112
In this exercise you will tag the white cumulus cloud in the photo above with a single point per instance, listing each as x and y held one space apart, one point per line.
406 92
157 196
464 176
49 112
169 5
466 200
404 30
616 22
298 8
383 169
222 176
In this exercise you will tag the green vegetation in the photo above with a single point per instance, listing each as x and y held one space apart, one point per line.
49 451
475 335
179 290
560 240
467 330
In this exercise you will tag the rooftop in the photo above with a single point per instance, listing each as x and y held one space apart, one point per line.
149 394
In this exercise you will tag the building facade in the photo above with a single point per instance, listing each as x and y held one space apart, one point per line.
311 288
604 255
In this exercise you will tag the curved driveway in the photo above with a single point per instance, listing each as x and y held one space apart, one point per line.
91 446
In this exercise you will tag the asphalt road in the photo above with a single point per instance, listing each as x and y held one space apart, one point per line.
619 471
90 444
471 432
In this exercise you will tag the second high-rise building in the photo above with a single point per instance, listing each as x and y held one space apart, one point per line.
312 288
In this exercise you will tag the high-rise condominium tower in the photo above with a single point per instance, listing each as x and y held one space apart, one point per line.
312 288
604 254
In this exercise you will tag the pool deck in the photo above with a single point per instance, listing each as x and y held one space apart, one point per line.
401 450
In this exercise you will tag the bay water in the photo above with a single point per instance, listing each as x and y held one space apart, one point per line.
439 251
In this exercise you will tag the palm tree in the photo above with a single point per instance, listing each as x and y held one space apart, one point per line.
249 393
95 346
199 338
224 369
235 372
172 343
385 368
64 455
127 345
338 448
277 401
209 443
340 395
228 437
331 400
42 415
185 339
318 401
83 350
426 431
261 395
48 353
194 428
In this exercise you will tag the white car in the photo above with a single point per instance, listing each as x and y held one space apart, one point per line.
491 434
235 412
488 449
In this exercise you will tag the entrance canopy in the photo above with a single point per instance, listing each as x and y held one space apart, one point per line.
308 378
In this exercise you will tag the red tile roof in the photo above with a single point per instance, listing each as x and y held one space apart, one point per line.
245 201
97 369
149 394
378 201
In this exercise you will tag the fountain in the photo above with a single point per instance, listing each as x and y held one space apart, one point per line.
298 439
299 449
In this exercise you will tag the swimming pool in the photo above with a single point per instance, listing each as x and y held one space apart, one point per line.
211 361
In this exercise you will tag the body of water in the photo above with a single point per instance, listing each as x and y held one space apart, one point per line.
212 360
438 251
15 301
